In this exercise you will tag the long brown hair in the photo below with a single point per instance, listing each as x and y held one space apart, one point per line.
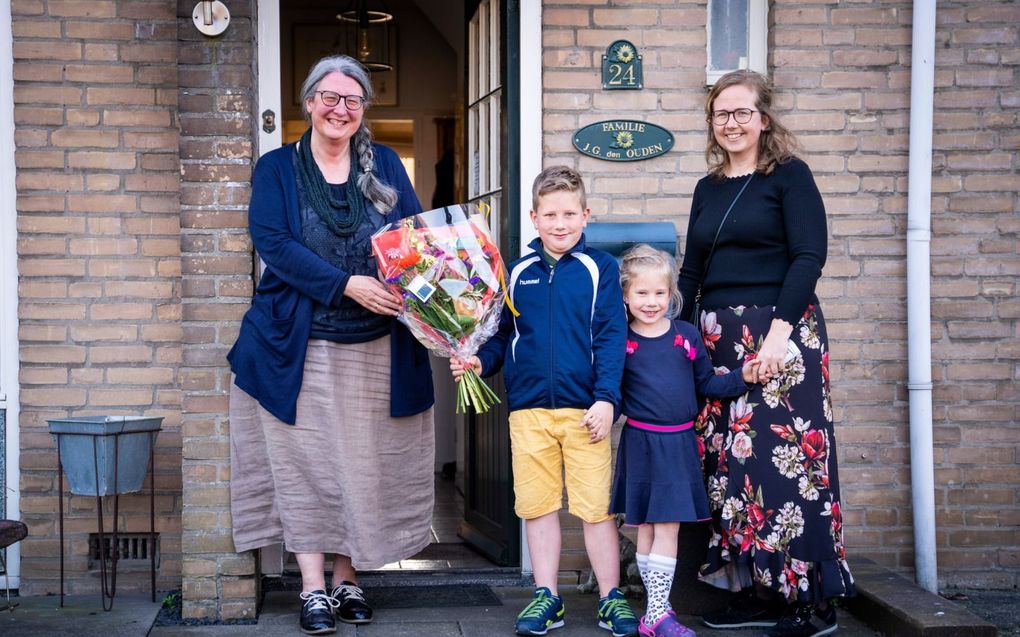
776 144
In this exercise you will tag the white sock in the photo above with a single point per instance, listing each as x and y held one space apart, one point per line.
657 585
642 567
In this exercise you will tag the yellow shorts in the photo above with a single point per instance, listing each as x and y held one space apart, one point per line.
544 443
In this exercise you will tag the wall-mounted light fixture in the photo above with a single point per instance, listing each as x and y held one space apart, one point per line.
366 34
211 17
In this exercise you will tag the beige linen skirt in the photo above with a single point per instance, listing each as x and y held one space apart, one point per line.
347 478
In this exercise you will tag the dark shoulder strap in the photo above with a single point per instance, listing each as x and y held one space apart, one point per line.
711 251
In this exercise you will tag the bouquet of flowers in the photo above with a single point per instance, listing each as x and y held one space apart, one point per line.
447 269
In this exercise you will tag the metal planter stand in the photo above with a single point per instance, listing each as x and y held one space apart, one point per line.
94 450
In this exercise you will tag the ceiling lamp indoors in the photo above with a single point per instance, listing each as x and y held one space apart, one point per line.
366 34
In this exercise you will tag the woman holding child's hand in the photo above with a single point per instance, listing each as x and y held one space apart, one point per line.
756 244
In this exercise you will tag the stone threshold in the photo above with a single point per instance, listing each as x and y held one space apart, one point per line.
895 605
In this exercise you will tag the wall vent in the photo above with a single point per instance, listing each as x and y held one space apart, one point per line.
133 550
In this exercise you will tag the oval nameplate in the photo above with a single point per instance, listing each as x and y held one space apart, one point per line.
623 140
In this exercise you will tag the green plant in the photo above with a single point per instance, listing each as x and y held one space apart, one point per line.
172 600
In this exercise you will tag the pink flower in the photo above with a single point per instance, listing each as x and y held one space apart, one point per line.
785 432
742 446
680 341
692 352
711 331
631 347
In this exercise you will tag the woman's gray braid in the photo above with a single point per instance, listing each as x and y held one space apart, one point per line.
383 196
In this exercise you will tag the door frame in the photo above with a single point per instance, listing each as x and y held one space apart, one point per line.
267 76
9 290
528 114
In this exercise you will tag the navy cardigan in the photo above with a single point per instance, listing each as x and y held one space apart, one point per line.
269 356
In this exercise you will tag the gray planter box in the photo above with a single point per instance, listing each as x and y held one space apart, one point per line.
129 437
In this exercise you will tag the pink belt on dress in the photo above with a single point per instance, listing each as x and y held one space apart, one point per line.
661 428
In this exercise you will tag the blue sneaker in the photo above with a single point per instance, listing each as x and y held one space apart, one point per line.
544 613
616 616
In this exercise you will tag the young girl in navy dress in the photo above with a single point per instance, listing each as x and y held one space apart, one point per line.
658 481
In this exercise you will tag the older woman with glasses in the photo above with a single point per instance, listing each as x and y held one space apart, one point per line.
756 244
331 428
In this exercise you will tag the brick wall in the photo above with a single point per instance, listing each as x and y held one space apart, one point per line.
217 103
99 259
843 73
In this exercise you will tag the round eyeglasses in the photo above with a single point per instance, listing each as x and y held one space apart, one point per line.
331 99
741 115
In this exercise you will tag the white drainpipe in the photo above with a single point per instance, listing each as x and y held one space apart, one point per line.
922 470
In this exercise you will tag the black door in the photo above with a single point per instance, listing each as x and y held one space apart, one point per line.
490 525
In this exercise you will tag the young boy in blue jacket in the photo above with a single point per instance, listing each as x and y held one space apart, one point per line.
562 361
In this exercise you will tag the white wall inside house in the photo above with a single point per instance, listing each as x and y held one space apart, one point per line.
429 69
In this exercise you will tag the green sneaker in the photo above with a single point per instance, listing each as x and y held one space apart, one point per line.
616 616
543 613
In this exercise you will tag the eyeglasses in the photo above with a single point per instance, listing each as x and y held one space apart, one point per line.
741 115
331 99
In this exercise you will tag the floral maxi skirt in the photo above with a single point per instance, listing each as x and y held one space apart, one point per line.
770 462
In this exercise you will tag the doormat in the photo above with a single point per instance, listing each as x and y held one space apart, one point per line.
444 596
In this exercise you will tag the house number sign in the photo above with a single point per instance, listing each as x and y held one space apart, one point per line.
623 140
621 67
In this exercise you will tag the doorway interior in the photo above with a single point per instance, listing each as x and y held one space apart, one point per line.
419 111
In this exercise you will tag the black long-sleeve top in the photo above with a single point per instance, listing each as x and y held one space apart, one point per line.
772 249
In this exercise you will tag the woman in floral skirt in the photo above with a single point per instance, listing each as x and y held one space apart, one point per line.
756 244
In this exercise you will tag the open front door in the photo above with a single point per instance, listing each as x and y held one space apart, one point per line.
490 525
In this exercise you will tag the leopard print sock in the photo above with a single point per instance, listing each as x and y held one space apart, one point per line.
657 585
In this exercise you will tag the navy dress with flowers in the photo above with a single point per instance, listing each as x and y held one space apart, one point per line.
658 464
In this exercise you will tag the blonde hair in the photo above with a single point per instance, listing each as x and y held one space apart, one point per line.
776 145
644 258
555 179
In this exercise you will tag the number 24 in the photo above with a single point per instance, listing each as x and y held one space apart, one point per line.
619 75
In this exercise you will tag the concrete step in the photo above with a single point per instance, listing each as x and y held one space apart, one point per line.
895 605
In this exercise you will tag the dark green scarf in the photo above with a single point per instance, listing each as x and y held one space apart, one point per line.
342 217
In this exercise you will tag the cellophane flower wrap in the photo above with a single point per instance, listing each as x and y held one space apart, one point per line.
447 269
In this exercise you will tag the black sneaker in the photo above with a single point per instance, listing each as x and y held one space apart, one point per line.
805 620
746 610
317 613
351 606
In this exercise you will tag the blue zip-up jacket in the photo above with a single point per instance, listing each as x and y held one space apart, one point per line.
268 357
567 347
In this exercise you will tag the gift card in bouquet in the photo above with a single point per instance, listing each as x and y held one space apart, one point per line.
449 273
421 288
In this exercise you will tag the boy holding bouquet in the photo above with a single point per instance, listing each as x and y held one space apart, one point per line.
563 362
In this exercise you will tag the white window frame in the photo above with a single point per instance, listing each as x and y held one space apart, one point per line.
9 288
483 112
757 40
